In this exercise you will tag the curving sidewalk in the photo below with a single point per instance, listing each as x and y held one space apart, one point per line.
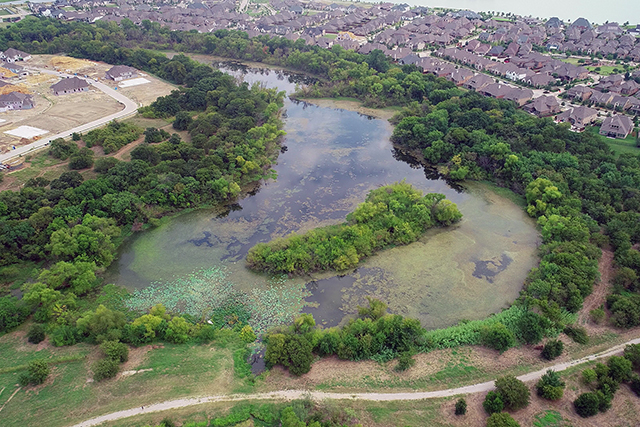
130 108
318 395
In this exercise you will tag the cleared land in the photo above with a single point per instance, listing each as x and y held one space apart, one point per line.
59 113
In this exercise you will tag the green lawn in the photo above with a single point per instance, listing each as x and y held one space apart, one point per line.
606 70
619 146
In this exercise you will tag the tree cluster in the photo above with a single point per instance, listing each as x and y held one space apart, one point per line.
393 215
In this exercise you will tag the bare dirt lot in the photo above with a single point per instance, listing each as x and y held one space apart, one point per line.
58 113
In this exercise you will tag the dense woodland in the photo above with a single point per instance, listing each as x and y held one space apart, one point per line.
583 197
392 215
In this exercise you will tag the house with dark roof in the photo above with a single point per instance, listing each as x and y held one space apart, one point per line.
580 24
616 127
16 101
478 81
13 55
554 23
121 72
543 106
70 85
579 117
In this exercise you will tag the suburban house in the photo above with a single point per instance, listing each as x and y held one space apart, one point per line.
478 81
543 106
616 127
70 85
15 101
579 117
519 96
13 55
121 72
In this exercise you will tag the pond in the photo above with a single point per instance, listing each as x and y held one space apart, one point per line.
195 261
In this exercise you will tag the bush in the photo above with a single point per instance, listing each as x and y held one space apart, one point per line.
405 361
103 164
502 420
247 335
64 335
116 351
37 371
514 393
104 368
632 353
81 160
619 368
587 405
577 333
461 407
182 121
552 349
36 333
635 384
589 376
493 403
550 386
12 313
597 315
497 337
530 328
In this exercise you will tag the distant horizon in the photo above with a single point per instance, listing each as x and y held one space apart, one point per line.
619 11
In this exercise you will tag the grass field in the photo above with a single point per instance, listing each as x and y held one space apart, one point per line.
606 70
175 371
619 146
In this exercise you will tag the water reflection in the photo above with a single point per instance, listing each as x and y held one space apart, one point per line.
332 159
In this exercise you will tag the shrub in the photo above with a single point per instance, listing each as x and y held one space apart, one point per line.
36 333
182 121
632 353
587 405
64 335
493 403
104 369
115 350
589 376
577 333
635 384
461 407
514 393
405 361
502 420
247 335
619 368
530 328
206 334
597 315
37 371
552 349
550 386
497 337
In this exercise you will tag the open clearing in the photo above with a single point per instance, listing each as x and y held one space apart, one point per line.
134 82
26 132
59 113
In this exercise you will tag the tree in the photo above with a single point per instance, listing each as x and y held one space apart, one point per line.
461 407
632 353
104 369
530 328
589 376
405 361
587 404
115 350
514 393
178 330
36 333
37 371
552 349
247 335
498 337
299 354
182 121
501 420
550 386
493 403
619 368
82 159
12 313
102 324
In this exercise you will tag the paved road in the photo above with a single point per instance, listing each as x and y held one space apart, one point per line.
130 108
318 395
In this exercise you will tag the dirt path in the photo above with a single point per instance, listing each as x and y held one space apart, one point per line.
601 290
318 395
